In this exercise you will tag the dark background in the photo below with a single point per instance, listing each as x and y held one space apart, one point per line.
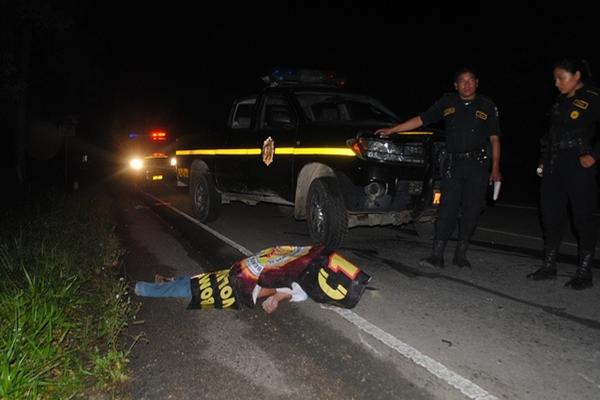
114 67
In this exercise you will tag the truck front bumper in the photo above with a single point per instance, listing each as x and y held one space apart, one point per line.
379 218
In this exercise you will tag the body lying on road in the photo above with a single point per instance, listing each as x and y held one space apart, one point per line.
275 274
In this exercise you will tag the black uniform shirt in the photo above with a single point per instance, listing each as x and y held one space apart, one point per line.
576 117
469 124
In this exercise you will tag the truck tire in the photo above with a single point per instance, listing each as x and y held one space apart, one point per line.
206 201
327 218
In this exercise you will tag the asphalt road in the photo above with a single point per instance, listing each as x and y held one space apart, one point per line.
480 333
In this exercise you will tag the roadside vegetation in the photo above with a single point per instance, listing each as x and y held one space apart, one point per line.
63 305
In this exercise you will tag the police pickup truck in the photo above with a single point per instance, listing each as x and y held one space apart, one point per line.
307 143
149 156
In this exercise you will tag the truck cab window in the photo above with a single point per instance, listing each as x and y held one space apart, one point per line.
278 113
338 108
242 114
326 112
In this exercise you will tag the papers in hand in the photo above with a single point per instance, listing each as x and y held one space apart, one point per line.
497 185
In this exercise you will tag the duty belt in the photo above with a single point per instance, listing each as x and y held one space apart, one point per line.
449 159
567 144
479 154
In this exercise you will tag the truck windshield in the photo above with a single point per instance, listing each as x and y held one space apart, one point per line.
343 107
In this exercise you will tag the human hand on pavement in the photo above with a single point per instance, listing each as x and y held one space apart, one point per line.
271 303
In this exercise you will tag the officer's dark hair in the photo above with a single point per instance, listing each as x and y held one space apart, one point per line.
573 65
464 70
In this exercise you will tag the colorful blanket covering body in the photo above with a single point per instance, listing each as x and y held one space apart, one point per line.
323 274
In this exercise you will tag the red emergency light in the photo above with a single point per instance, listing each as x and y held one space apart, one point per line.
158 135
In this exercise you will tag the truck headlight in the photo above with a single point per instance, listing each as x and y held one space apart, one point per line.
386 150
136 164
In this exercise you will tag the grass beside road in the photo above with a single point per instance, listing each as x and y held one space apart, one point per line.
62 304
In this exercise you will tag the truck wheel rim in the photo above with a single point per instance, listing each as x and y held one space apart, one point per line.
318 216
200 198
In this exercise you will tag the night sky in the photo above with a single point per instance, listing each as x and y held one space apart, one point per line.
134 66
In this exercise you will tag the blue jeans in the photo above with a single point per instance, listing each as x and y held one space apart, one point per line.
180 287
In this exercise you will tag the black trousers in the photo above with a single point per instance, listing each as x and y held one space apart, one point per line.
463 191
568 183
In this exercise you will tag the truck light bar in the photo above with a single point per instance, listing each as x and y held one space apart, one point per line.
158 135
295 76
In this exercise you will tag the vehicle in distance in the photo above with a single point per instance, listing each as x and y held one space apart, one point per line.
150 156
307 143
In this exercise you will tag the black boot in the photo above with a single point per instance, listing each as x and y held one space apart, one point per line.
583 276
436 259
460 254
548 268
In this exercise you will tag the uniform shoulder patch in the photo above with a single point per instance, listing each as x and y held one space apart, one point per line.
581 104
449 110
592 92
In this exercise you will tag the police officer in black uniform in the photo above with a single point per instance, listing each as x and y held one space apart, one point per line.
569 154
472 147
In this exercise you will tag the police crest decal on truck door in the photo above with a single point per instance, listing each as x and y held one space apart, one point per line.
268 150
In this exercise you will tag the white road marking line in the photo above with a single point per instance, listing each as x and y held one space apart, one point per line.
207 228
589 380
532 208
465 386
367 345
512 234
468 388
571 244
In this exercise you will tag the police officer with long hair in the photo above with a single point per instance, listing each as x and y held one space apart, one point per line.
569 154
472 161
